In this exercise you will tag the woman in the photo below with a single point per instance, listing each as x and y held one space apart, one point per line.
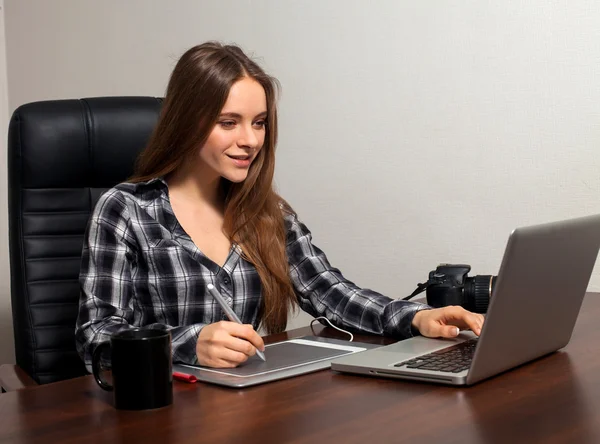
201 209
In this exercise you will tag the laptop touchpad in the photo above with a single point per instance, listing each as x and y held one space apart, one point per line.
420 345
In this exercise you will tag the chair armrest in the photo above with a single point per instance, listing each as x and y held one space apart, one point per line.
12 377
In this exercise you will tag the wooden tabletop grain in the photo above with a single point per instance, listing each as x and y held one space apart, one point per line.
555 399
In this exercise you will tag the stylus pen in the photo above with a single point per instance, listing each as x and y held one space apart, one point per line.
229 312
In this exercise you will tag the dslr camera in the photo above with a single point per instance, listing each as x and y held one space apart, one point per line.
449 284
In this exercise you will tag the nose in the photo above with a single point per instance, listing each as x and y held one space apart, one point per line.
248 137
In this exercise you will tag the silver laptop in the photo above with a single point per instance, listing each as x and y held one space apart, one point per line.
539 290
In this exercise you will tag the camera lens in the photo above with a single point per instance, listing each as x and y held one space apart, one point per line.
478 291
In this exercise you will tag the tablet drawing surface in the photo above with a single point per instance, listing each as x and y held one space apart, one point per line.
285 355
285 359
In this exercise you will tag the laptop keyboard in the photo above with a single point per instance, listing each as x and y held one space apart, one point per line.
453 359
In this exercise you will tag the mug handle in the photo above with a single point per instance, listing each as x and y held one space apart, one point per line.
97 366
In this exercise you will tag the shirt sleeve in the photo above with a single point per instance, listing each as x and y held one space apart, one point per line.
107 299
323 291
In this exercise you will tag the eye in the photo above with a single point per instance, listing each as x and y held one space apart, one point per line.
227 124
260 123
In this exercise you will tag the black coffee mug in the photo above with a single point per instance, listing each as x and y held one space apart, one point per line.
141 368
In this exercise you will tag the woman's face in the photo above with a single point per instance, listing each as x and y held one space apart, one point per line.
239 134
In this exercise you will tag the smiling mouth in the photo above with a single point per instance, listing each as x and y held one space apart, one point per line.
242 161
239 157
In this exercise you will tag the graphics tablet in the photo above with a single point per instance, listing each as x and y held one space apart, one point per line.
284 360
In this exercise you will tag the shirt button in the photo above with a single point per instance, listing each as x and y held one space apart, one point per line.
226 280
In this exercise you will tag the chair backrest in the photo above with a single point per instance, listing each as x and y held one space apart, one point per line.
62 155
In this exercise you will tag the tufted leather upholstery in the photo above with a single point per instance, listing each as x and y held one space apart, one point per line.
62 155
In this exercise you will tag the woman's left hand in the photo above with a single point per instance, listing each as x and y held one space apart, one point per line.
446 322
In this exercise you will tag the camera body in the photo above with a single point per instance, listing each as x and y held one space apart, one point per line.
449 284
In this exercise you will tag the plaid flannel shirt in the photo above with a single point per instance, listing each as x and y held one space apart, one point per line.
140 268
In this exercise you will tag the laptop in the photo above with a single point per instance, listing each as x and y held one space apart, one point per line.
540 287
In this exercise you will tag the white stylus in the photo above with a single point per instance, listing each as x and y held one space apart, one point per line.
229 312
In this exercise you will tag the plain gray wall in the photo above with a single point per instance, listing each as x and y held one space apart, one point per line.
6 329
412 133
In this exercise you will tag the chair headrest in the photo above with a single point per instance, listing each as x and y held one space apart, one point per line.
90 142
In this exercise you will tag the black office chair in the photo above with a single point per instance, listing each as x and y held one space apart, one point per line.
62 155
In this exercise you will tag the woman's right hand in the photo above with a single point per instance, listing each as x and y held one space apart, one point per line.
227 344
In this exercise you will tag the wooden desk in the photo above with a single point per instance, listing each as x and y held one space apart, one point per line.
555 399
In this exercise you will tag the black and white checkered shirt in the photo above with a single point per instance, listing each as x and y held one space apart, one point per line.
140 268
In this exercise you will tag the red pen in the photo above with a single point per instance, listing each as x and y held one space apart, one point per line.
184 377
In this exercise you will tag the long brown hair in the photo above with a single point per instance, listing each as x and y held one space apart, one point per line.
197 91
